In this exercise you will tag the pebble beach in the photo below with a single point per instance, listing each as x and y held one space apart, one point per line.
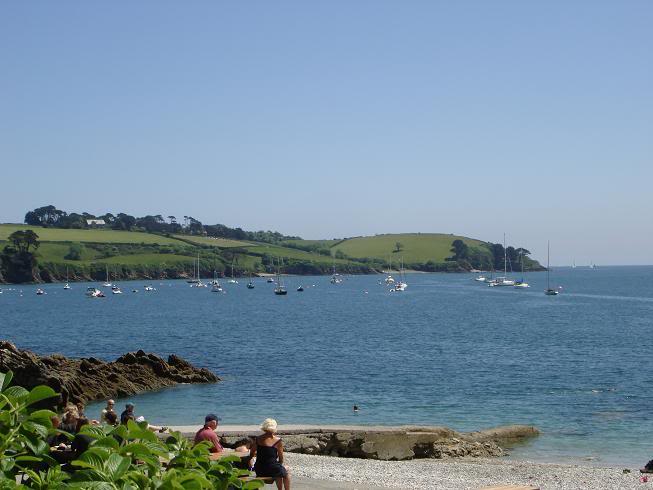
324 472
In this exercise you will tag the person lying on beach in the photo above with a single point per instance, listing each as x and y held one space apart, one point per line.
268 450
153 428
207 433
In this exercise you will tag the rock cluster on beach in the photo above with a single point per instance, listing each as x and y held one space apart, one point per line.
406 443
86 379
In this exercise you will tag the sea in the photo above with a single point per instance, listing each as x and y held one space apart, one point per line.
448 351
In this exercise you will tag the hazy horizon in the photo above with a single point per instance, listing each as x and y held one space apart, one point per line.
332 120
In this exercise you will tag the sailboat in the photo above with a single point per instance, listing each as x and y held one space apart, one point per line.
521 284
250 284
215 284
232 280
280 289
335 278
115 289
389 279
503 280
107 283
401 285
549 291
66 286
198 282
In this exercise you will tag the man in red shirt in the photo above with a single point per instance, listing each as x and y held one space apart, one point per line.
207 433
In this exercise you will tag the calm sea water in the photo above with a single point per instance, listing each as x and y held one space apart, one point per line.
447 351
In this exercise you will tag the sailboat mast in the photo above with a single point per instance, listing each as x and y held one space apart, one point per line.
548 266
505 256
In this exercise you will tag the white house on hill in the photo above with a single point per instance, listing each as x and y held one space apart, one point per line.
95 223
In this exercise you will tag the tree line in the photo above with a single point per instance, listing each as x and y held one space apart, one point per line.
51 217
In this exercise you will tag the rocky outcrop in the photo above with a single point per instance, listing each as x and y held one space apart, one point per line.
82 380
405 443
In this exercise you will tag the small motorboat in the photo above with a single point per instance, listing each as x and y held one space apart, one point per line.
300 289
39 291
280 291
270 280
149 288
250 285
94 293
115 290
66 286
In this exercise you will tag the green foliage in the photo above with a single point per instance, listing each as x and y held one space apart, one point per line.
74 251
127 457
17 263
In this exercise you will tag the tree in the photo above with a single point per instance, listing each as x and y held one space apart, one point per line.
398 247
44 216
17 262
460 250
24 239
74 252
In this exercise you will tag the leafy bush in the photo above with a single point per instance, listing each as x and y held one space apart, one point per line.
122 458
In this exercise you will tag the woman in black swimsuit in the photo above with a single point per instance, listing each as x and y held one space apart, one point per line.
268 449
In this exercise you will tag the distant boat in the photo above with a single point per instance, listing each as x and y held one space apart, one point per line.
335 278
503 280
116 290
198 282
107 283
549 291
480 278
39 291
232 280
573 265
300 289
92 292
149 288
270 280
402 284
280 289
521 284
66 286
250 284
215 284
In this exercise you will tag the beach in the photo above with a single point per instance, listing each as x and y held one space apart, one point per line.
312 472
324 472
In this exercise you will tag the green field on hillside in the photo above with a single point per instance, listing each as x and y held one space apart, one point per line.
292 253
417 247
95 235
216 242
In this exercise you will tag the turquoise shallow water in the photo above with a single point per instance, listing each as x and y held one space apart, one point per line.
447 351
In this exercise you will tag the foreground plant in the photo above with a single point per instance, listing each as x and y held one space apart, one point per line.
126 457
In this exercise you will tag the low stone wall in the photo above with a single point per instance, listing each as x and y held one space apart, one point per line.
403 444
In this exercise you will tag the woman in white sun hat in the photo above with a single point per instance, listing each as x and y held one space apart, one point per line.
268 450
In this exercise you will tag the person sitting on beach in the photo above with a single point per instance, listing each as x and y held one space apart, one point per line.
268 450
106 410
69 419
241 449
207 433
111 418
127 414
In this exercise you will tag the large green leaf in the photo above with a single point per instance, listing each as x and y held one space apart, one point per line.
40 393
42 416
5 379
35 428
92 458
16 393
253 484
107 442
116 466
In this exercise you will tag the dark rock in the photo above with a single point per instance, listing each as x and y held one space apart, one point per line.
83 380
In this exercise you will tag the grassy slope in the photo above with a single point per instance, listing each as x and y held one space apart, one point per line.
216 242
417 247
95 236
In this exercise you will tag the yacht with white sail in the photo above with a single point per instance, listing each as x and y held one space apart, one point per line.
521 284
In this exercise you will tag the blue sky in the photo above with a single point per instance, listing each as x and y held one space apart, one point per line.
340 118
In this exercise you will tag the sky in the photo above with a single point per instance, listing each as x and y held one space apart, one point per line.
332 119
